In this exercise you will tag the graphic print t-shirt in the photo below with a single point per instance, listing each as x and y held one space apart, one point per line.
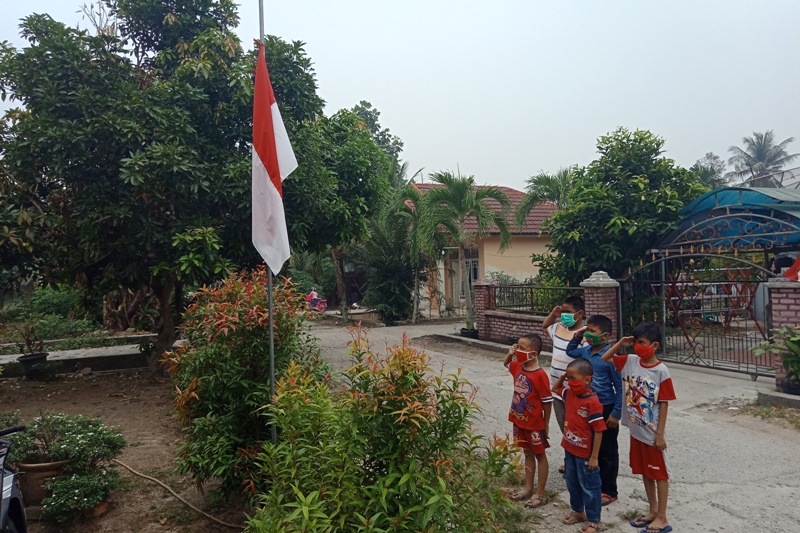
643 387
531 392
584 416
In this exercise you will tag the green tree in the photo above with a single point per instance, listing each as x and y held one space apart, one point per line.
710 171
620 206
544 187
391 144
758 157
449 207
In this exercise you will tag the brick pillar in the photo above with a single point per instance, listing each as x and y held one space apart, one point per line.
784 310
480 290
600 295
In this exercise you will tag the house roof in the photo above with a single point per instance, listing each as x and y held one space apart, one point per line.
533 223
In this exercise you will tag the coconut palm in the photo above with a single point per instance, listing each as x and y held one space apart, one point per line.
449 207
544 187
760 157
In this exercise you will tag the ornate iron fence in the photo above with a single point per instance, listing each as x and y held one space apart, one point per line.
531 299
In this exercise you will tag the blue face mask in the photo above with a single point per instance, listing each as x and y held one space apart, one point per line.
568 319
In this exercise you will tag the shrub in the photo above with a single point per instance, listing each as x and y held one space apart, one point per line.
59 327
64 302
303 281
86 442
392 452
222 374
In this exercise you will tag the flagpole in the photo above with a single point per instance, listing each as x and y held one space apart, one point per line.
273 428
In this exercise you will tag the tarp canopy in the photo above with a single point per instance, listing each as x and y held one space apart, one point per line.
740 218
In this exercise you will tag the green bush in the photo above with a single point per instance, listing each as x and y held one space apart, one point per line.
64 302
392 452
222 374
303 281
50 327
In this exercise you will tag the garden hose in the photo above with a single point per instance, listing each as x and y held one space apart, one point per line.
154 480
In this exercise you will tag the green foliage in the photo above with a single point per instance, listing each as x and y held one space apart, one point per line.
85 442
392 452
61 301
384 256
75 493
222 374
49 327
391 144
710 171
302 281
544 187
619 207
760 157
786 345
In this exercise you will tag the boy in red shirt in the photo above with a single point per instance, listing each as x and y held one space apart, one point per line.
583 433
530 414
648 388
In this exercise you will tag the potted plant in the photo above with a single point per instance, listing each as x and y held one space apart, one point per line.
66 460
786 345
32 350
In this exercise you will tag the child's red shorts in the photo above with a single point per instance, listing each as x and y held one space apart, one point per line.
647 461
531 438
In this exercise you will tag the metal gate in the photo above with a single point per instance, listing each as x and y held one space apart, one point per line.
712 308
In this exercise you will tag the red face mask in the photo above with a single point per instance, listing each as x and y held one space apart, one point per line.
576 385
645 352
523 356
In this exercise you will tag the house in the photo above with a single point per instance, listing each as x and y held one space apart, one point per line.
485 257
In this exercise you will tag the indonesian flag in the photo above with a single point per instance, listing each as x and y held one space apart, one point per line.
273 161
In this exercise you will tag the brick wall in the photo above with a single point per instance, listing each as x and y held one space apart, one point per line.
600 296
784 299
499 325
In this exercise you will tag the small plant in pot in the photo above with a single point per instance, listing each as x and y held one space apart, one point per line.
32 350
66 460
786 345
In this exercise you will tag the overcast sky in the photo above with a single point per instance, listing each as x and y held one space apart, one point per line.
505 89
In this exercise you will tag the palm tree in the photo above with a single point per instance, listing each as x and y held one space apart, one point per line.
760 157
544 187
449 207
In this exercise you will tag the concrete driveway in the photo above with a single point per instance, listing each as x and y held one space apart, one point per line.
731 472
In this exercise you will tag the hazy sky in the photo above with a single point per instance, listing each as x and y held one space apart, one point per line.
507 88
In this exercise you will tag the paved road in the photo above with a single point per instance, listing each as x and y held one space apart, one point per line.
730 473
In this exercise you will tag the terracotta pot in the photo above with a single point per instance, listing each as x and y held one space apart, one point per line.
36 474
99 509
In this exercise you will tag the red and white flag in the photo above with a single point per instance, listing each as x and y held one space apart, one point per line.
273 161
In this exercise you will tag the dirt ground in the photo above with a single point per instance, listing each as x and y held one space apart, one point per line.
144 411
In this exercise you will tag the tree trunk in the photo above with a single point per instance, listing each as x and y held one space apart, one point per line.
163 290
336 254
415 311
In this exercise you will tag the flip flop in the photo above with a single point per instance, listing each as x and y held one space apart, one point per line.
608 500
540 502
640 521
517 496
665 529
596 526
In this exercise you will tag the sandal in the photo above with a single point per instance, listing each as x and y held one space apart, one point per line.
605 499
536 502
573 518
650 529
592 527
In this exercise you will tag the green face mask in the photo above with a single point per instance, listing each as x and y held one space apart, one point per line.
568 319
595 340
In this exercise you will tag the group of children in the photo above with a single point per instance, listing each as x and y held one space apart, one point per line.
592 387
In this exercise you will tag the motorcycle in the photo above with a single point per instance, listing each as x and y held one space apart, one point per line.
12 507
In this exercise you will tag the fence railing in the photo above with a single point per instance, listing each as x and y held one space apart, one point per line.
533 299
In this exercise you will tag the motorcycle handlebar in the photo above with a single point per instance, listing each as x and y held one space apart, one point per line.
9 431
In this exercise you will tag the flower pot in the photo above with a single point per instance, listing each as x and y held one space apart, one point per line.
99 509
36 474
789 387
469 333
27 362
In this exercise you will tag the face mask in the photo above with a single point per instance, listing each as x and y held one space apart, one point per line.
594 340
568 319
645 352
524 356
576 385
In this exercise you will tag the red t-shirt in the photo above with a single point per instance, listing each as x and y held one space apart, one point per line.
531 392
583 417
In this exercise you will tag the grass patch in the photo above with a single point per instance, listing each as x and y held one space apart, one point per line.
630 514
786 416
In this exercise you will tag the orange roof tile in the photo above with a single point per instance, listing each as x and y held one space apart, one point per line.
533 224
